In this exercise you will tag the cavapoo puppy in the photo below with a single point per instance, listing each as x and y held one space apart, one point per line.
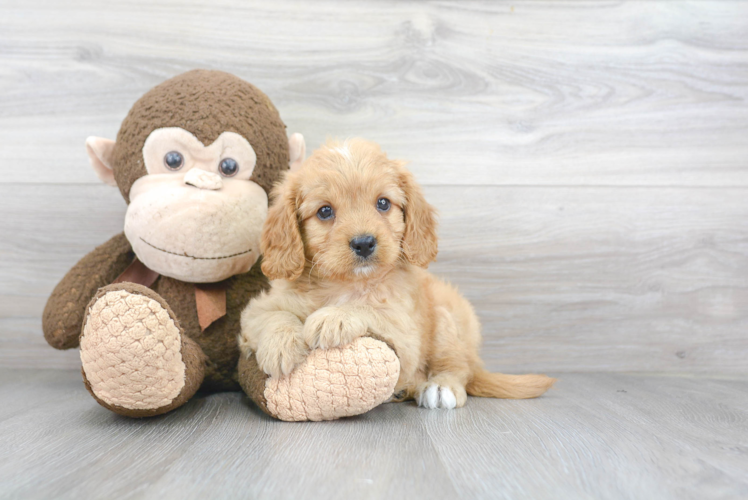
346 245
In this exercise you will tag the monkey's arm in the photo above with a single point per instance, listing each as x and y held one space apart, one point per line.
66 308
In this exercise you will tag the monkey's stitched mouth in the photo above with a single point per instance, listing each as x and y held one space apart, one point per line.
192 256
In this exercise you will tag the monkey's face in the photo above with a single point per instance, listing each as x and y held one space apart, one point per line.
195 158
196 216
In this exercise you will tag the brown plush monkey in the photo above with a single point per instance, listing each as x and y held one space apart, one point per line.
156 309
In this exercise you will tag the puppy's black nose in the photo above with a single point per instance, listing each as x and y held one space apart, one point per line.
364 245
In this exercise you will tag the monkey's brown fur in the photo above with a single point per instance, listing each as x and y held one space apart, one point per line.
205 103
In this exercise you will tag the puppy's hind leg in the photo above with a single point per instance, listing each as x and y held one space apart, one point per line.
448 367
443 390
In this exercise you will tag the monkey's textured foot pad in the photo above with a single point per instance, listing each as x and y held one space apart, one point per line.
131 352
335 383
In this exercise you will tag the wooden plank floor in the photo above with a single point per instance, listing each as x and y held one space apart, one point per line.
605 436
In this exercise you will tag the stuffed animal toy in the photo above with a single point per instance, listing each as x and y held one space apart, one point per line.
156 309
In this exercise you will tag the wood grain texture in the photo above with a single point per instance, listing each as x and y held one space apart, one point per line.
588 157
563 279
592 92
611 436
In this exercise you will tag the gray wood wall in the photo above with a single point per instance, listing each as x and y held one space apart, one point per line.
589 158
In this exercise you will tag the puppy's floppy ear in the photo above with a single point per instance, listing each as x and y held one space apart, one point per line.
420 243
282 247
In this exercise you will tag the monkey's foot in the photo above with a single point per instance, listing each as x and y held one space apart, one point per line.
136 361
329 384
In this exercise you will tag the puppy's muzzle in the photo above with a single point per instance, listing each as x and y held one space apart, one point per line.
363 245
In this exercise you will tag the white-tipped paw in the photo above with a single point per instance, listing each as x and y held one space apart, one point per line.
332 327
433 396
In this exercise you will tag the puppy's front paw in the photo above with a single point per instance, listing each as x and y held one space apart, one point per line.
432 395
332 327
279 353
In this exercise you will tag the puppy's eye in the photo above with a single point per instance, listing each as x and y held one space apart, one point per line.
325 213
383 204
228 167
173 160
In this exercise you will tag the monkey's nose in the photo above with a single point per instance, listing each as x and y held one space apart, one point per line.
363 245
202 179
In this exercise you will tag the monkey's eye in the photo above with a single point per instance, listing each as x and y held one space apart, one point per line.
383 204
228 167
325 213
173 160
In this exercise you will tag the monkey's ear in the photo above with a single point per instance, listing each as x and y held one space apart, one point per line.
297 151
100 155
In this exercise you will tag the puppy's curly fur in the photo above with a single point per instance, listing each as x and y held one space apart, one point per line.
325 293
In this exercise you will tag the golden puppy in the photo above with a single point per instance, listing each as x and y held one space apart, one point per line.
346 243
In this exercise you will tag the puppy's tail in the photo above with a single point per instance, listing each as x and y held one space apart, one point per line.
497 385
